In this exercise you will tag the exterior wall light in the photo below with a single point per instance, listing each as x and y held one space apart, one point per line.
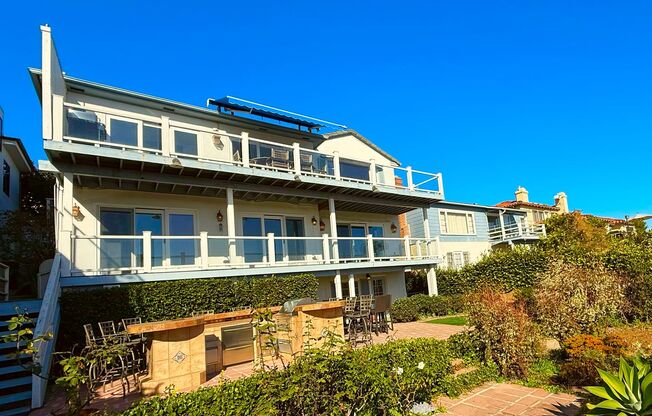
220 217
76 213
393 228
322 226
314 221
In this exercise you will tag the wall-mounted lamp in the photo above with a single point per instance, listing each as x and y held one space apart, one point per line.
314 221
76 213
393 227
219 216
322 226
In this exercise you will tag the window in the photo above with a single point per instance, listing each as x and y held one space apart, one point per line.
124 132
182 251
379 287
457 259
354 170
115 252
84 125
152 137
6 178
457 222
185 142
539 216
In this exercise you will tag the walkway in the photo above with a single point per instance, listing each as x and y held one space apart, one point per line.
511 399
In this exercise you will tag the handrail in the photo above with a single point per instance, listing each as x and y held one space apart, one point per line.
48 322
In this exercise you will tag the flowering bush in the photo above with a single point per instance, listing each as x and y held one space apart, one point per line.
505 331
583 354
574 299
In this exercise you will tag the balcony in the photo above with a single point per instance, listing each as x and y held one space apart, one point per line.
179 142
146 254
515 232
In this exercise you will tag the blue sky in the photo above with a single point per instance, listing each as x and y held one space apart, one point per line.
554 96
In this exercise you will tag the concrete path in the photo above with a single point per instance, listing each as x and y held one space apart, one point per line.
511 399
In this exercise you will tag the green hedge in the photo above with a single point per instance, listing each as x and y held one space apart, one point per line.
156 301
412 308
383 379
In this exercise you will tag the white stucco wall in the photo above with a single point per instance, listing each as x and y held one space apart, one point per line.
11 202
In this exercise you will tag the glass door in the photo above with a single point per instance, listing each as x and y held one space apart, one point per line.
379 245
181 252
149 220
344 246
116 253
359 245
296 249
275 225
253 249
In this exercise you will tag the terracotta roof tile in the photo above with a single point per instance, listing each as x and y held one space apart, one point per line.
518 204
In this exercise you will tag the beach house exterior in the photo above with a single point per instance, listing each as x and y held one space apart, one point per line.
14 161
150 189
466 232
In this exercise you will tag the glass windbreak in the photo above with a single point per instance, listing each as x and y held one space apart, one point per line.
116 253
152 137
274 226
84 125
182 251
359 245
124 132
253 249
296 248
149 221
379 245
344 246
354 170
185 143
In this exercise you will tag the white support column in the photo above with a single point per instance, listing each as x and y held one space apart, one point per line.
271 252
438 246
410 179
336 165
65 243
352 293
166 136
370 247
520 228
147 251
203 249
296 157
502 225
245 149
335 254
338 284
432 282
440 184
230 225
372 172
426 228
326 248
406 247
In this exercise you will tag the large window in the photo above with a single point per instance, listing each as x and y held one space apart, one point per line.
152 137
182 251
461 223
124 132
457 259
84 125
185 142
115 252
349 169
6 178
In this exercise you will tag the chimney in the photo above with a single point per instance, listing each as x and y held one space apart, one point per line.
561 202
521 194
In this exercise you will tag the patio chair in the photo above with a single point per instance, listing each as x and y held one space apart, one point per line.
91 340
306 162
107 329
280 158
381 320
356 312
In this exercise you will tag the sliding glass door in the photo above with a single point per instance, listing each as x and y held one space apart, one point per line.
116 253
181 252
296 249
352 248
253 249
149 221
274 225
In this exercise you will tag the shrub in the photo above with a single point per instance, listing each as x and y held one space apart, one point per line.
632 339
381 379
412 308
174 299
505 331
572 299
584 353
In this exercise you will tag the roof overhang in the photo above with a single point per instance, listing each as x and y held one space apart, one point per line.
489 208
15 149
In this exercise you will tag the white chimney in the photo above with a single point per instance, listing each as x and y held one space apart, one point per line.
521 194
561 202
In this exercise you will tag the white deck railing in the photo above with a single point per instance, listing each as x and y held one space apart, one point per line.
93 255
514 231
215 146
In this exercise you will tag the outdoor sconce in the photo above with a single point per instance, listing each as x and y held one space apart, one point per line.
314 221
322 226
220 218
393 228
76 213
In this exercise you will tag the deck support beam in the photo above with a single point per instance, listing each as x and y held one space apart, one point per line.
335 255
352 293
432 282
230 224
338 284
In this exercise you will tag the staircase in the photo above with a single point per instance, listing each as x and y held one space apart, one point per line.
15 380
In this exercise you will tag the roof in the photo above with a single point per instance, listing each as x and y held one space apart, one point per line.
351 132
517 204
609 220
485 207
16 150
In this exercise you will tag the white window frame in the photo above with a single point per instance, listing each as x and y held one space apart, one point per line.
464 258
173 148
139 131
469 216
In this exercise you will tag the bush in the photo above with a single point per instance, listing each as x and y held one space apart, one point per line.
505 331
573 299
414 307
583 354
174 299
381 379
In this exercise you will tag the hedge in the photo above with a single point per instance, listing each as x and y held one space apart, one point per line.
380 379
156 301
412 308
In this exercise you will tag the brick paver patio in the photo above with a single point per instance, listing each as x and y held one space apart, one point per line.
511 399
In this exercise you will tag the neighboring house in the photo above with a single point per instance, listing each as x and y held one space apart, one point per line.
13 162
466 232
537 213
150 189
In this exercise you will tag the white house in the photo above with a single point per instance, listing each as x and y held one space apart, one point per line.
13 162
150 189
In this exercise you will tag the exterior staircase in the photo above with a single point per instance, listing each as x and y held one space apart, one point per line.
15 380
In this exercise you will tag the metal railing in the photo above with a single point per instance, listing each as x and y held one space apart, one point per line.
90 127
108 254
518 230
